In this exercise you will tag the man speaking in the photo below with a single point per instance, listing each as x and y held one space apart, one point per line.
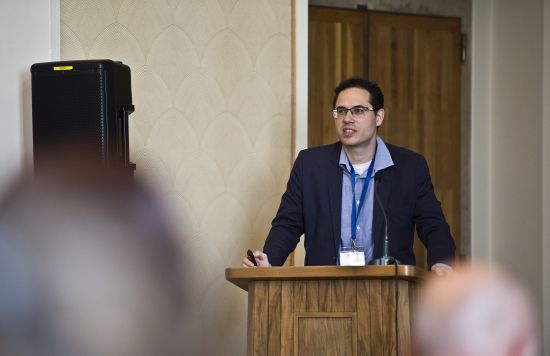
337 195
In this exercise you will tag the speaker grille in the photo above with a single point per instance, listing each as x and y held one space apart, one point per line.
84 106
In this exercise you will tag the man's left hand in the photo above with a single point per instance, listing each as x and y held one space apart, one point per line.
441 270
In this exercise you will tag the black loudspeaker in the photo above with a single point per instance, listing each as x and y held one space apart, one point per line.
81 106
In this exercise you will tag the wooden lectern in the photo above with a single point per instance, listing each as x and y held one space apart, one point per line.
327 310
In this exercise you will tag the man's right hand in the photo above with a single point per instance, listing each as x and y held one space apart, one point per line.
261 260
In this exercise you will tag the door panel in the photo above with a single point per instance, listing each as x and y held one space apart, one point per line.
416 62
336 51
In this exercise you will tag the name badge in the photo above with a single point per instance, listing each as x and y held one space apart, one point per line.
352 256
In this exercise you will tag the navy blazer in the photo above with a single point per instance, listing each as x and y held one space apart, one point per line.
312 206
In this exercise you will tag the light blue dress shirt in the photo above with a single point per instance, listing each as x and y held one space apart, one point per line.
364 220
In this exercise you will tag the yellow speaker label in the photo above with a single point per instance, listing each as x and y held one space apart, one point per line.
63 68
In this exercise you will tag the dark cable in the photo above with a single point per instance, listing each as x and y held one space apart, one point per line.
379 201
396 308
377 178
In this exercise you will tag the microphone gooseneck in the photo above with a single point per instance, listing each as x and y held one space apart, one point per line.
385 259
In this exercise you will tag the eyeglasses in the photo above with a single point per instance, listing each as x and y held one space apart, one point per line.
356 111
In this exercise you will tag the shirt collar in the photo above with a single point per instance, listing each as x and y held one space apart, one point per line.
383 157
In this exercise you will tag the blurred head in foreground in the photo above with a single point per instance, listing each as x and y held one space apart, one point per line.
88 267
476 311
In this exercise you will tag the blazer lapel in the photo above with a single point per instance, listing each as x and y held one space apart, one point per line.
334 182
378 224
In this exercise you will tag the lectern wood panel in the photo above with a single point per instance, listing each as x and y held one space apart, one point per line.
404 305
287 321
363 324
388 316
327 310
258 301
374 296
275 290
340 328
349 317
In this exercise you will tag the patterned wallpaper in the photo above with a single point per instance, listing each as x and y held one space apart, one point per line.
212 129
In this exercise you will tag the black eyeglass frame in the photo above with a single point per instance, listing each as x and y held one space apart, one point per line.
356 111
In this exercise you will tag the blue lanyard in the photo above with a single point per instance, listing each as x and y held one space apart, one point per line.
356 211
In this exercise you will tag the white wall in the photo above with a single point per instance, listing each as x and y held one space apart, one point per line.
212 130
29 33
517 139
481 130
301 84
546 177
508 138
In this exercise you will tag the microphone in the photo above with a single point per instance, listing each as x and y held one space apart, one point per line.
385 259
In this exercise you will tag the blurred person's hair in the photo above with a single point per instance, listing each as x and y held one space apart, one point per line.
478 310
89 266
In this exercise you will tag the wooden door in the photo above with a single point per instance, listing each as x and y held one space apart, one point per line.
336 52
416 62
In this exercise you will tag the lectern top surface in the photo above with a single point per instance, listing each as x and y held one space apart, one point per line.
241 276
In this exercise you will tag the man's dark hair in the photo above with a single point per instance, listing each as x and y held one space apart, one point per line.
376 95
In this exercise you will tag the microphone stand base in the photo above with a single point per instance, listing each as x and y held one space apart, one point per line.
384 261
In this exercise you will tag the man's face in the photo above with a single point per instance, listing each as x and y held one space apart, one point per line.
360 130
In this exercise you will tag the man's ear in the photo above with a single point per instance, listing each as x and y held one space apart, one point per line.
379 117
